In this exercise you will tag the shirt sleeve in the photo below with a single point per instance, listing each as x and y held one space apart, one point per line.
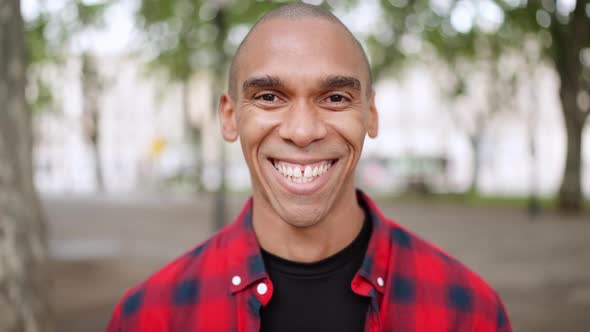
115 322
502 321
493 321
130 316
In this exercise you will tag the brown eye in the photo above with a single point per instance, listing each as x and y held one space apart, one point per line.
336 99
268 97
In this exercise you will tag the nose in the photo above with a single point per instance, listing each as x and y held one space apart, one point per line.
302 124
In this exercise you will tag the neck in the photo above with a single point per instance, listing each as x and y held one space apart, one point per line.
312 243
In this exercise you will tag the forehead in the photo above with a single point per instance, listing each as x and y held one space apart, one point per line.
299 51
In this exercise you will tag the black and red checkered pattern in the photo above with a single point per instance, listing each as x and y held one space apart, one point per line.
413 285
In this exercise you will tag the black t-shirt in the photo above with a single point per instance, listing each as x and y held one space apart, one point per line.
317 296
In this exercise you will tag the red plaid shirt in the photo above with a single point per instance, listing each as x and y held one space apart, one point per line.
220 286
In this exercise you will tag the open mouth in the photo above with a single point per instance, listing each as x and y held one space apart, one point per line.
303 173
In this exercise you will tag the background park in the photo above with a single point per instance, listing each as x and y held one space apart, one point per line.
111 161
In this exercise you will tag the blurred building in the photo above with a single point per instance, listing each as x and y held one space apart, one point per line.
143 138
423 137
418 123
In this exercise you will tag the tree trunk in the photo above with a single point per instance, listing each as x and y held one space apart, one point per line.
568 42
23 247
186 111
192 134
533 206
475 141
570 194
91 88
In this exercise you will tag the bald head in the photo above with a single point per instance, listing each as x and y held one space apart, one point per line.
294 12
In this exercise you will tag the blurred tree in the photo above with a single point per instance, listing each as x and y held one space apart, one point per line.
186 37
91 90
458 81
23 284
23 235
466 30
49 37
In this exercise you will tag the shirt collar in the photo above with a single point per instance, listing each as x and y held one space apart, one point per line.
375 265
246 264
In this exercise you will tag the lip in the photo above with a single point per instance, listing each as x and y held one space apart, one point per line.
301 161
302 188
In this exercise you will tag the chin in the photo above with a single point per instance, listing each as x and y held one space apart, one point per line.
301 215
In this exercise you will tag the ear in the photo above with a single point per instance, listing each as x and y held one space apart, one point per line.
373 120
227 117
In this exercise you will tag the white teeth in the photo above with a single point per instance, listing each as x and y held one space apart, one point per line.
308 172
297 172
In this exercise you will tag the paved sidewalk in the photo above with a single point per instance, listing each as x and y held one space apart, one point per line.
102 245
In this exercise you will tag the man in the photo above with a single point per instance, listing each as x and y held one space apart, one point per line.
308 252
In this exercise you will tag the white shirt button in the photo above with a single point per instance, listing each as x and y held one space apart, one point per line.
236 280
262 288
380 282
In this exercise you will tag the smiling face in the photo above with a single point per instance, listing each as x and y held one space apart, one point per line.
301 109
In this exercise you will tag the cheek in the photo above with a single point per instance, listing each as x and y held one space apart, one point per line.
253 127
350 125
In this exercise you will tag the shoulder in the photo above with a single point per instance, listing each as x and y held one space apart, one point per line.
178 282
203 259
425 280
432 279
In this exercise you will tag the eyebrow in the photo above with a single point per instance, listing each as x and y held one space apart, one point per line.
330 82
265 82
339 81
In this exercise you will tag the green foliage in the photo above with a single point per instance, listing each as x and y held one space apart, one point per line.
89 14
186 36
559 36
41 98
36 43
49 33
540 21
48 36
